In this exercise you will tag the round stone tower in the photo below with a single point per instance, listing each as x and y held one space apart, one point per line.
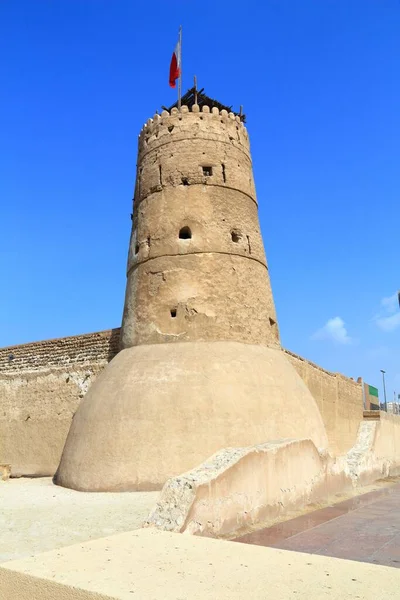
201 367
196 269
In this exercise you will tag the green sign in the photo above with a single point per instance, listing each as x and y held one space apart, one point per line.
373 391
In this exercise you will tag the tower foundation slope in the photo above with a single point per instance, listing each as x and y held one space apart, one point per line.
159 410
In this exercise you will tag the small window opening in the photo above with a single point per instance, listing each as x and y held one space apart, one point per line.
171 128
236 237
248 243
185 233
207 171
274 327
185 181
173 313
223 173
137 248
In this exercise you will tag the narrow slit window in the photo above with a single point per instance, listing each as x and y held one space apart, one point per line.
207 171
173 313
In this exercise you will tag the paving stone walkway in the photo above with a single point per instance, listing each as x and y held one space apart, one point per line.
364 528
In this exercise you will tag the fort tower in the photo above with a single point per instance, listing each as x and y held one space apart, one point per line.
201 366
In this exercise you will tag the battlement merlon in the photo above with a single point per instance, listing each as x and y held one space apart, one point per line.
193 122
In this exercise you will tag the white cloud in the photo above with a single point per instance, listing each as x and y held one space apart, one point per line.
389 317
334 330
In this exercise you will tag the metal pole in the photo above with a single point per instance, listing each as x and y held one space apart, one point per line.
180 69
384 388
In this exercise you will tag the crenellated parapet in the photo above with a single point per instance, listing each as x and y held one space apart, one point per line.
193 147
195 121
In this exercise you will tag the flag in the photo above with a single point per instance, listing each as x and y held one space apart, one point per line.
175 66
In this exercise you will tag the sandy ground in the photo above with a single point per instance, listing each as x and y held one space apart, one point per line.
36 516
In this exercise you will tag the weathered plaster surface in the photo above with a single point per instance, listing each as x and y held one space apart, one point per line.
339 400
159 410
216 282
240 487
41 385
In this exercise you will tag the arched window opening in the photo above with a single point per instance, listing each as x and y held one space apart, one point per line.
185 233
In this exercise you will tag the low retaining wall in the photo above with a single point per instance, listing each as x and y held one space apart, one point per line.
241 487
387 441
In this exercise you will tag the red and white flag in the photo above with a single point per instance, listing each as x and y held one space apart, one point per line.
175 66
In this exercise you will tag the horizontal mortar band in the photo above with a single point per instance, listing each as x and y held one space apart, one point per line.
146 260
191 138
225 187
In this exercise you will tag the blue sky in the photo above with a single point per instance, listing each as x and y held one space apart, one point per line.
319 82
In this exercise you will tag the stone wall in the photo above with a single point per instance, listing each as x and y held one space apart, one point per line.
339 400
41 385
196 268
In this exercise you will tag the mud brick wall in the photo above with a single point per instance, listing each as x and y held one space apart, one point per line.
339 399
41 385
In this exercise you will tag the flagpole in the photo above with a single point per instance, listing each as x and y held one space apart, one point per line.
180 69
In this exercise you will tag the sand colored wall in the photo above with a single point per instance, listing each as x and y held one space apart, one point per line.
238 488
376 454
387 440
37 402
41 385
203 397
216 282
339 400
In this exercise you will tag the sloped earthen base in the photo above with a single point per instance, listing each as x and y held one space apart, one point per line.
159 410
